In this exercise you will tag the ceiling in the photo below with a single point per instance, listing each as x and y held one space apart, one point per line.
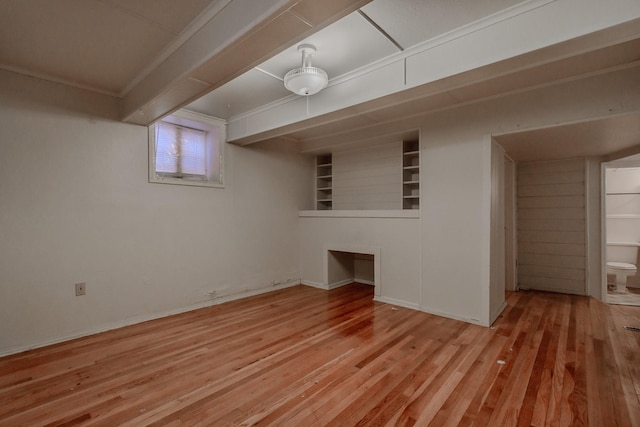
124 48
375 32
101 45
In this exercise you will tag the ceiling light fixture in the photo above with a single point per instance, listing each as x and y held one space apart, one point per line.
306 80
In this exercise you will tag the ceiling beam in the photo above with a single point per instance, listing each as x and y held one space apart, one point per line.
240 36
466 65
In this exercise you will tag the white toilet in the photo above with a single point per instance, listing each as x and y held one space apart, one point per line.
621 259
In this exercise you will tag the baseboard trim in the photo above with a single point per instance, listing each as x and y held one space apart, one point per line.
145 318
340 283
313 284
399 303
335 284
453 316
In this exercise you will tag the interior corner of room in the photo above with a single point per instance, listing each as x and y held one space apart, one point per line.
443 164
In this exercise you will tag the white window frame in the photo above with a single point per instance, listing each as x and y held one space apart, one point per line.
215 140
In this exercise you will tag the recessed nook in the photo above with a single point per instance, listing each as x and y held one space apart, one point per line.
344 265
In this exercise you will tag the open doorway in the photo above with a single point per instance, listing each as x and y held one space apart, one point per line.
621 230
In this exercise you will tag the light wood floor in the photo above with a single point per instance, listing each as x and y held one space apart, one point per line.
307 357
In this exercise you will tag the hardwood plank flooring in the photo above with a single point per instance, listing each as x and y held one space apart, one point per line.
307 357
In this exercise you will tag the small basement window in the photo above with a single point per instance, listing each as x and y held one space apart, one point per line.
186 149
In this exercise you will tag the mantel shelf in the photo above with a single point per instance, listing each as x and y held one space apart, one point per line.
360 214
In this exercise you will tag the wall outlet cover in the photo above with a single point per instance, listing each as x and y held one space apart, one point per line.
81 289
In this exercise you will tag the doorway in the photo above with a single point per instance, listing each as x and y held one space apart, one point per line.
621 227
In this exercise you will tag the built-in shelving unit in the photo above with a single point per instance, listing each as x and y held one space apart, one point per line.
410 174
324 182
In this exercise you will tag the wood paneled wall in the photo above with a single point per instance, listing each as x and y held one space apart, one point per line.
368 177
551 226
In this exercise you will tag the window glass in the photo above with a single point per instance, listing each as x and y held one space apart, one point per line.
186 148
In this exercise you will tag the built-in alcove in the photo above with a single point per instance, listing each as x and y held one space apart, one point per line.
375 175
347 265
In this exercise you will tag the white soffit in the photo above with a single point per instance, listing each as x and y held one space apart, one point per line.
593 138
247 92
529 27
414 21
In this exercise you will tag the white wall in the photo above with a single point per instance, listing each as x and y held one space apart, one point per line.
368 177
552 220
363 268
455 213
75 206
456 192
455 198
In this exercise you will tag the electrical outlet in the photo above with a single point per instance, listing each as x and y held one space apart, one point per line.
81 289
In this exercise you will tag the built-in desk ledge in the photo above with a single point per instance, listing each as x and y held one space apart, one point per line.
409 213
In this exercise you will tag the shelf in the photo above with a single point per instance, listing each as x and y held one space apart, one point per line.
400 214
324 182
410 174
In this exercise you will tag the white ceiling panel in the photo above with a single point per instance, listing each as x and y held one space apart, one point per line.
346 45
410 22
169 14
247 92
593 138
88 43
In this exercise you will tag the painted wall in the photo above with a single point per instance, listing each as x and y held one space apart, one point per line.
455 224
363 268
455 211
456 193
368 177
75 206
552 221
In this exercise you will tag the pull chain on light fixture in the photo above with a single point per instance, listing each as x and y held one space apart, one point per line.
306 80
